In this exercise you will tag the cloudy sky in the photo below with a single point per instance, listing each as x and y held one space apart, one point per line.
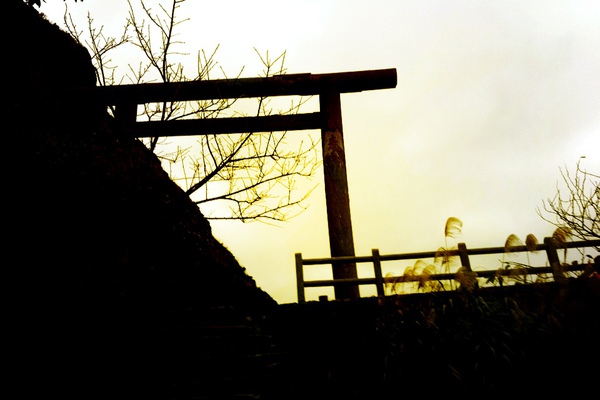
493 98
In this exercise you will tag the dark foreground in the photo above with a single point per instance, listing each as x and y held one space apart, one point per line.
500 343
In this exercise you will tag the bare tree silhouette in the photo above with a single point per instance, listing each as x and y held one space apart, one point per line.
576 207
255 175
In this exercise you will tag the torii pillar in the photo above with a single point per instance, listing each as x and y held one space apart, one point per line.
341 240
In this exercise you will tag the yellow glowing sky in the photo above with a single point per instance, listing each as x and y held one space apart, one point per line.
492 98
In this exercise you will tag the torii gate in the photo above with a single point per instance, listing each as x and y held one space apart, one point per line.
328 87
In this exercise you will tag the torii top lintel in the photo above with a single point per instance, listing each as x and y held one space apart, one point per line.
279 85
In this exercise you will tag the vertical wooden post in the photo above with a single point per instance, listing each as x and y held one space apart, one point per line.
557 269
465 262
378 273
341 240
464 256
300 278
125 115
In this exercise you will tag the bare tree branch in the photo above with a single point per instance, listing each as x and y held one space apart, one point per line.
256 175
577 205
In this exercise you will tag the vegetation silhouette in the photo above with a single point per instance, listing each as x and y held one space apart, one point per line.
420 272
255 176
575 208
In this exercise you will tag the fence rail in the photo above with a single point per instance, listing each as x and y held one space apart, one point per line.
549 246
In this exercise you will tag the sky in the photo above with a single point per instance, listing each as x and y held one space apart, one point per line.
493 99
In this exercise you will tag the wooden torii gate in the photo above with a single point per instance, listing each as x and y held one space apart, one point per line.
328 87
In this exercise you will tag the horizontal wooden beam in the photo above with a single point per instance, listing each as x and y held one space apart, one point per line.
440 277
213 126
280 85
454 252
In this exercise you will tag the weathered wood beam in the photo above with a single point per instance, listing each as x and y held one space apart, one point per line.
213 126
280 85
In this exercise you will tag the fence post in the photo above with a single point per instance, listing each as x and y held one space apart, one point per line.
378 274
464 256
300 278
554 261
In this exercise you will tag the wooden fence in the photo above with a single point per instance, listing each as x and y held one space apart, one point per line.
549 246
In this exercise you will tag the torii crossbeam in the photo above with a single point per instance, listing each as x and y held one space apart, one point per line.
328 87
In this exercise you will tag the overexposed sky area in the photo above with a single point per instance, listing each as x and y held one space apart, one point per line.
493 97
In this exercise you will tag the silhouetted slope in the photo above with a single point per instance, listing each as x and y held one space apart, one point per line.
103 244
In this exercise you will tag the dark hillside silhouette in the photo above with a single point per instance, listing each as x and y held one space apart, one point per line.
94 197
102 243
